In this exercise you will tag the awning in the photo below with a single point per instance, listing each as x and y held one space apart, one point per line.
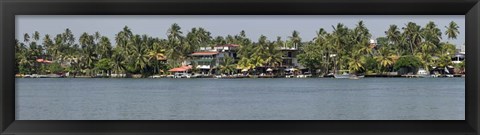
291 69
180 69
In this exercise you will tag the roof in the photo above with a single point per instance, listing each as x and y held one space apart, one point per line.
203 53
228 45
180 69
460 55
43 61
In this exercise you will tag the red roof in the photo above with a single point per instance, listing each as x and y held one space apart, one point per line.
204 53
180 69
228 45
43 61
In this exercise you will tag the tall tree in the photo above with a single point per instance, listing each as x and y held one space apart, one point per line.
452 30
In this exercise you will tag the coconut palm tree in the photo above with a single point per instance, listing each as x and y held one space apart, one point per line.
119 63
228 66
431 33
412 36
88 50
26 38
356 62
255 62
295 38
394 37
36 36
49 45
339 41
104 48
274 57
452 30
385 58
155 56
245 64
176 47
137 60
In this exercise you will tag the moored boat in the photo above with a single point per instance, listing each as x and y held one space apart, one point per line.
344 75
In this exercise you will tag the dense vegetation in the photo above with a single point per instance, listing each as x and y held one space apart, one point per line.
344 48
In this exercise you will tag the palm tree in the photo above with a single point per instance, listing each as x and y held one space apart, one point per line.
245 63
393 34
356 62
385 58
228 66
338 40
176 49
36 36
26 38
155 56
255 62
296 40
88 50
412 35
104 48
118 61
452 30
274 57
49 46
137 59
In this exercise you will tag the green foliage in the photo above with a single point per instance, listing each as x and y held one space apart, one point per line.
55 68
408 61
104 64
343 48
228 66
383 41
312 56
371 64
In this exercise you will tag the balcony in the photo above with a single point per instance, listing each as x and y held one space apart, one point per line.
203 66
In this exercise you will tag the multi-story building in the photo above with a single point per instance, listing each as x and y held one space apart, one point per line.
289 57
210 57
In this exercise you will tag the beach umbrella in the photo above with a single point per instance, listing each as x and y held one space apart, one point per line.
244 70
269 70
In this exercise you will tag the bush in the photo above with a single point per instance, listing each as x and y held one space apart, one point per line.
104 64
55 68
408 61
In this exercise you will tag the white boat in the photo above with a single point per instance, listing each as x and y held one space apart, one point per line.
347 75
344 75
424 74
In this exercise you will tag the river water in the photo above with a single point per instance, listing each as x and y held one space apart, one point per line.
240 99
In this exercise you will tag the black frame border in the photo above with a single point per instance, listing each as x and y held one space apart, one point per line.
10 8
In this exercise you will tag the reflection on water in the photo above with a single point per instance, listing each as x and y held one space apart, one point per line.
241 99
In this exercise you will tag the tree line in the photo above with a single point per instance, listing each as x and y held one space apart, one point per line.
411 46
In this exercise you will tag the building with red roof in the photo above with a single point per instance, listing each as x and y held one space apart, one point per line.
181 69
44 61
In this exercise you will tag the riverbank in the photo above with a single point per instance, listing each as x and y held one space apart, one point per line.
255 76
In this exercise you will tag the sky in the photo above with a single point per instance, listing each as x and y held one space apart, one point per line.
223 25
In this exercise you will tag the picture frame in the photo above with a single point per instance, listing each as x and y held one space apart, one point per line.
10 8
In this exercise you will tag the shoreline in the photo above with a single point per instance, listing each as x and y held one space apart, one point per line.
253 77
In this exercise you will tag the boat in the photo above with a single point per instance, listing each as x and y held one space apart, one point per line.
344 75
356 77
422 73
